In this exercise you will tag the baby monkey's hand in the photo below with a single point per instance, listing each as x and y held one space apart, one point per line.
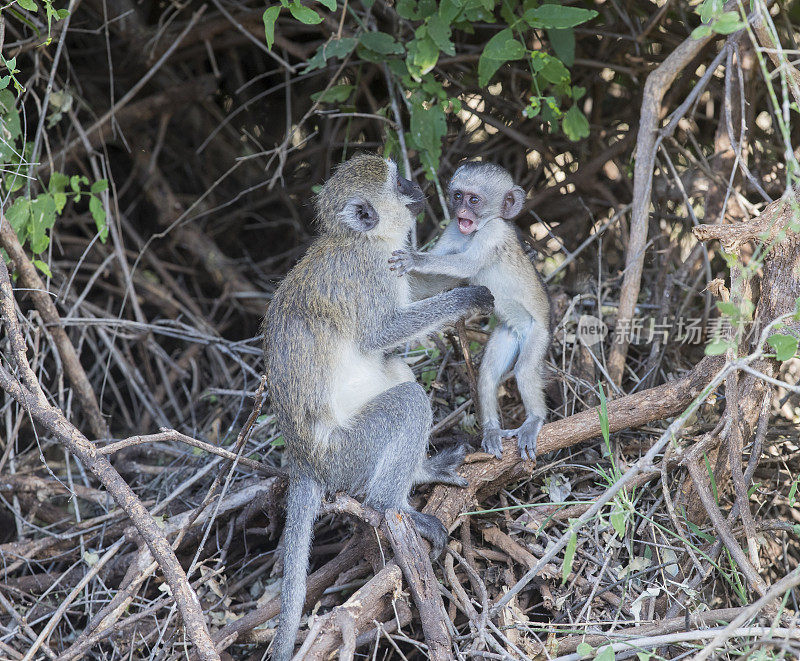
402 261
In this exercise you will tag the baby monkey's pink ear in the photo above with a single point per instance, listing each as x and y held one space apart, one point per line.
512 203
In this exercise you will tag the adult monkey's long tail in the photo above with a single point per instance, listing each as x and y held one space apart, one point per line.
302 505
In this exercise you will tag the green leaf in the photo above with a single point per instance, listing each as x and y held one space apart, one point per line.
330 4
717 347
60 200
18 214
270 16
427 128
563 43
605 654
785 346
569 557
575 125
501 48
727 23
797 308
426 8
701 32
304 14
425 53
382 43
43 267
427 377
448 10
99 215
558 16
58 182
336 94
99 186
551 69
340 48
7 101
618 519
12 129
43 217
407 9
728 308
439 31
644 656
584 649
793 492
30 5
708 9
75 182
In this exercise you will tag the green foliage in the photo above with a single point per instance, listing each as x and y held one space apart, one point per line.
716 20
436 26
785 346
501 48
335 94
569 556
793 492
718 346
269 17
298 10
427 377
619 519
31 217
605 654
10 77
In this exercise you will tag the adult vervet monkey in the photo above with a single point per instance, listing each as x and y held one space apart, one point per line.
353 417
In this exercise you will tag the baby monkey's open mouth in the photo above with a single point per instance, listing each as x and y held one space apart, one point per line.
466 225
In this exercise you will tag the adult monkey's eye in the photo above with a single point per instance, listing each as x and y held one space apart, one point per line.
474 199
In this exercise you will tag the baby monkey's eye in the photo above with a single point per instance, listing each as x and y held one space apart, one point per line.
457 196
474 199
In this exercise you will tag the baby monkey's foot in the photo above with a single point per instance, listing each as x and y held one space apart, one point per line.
402 261
527 435
492 441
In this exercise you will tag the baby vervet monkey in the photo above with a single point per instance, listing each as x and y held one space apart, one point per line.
480 246
352 415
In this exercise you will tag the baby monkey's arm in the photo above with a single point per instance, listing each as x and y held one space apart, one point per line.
460 265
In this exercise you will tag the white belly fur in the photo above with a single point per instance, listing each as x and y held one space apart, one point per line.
509 296
358 378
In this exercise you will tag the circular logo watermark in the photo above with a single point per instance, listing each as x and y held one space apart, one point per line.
591 330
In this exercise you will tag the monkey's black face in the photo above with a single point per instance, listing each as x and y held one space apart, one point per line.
412 190
466 206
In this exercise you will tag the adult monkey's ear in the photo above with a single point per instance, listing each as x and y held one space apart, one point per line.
359 215
512 203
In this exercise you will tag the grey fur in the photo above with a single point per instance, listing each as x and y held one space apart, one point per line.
483 197
352 416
